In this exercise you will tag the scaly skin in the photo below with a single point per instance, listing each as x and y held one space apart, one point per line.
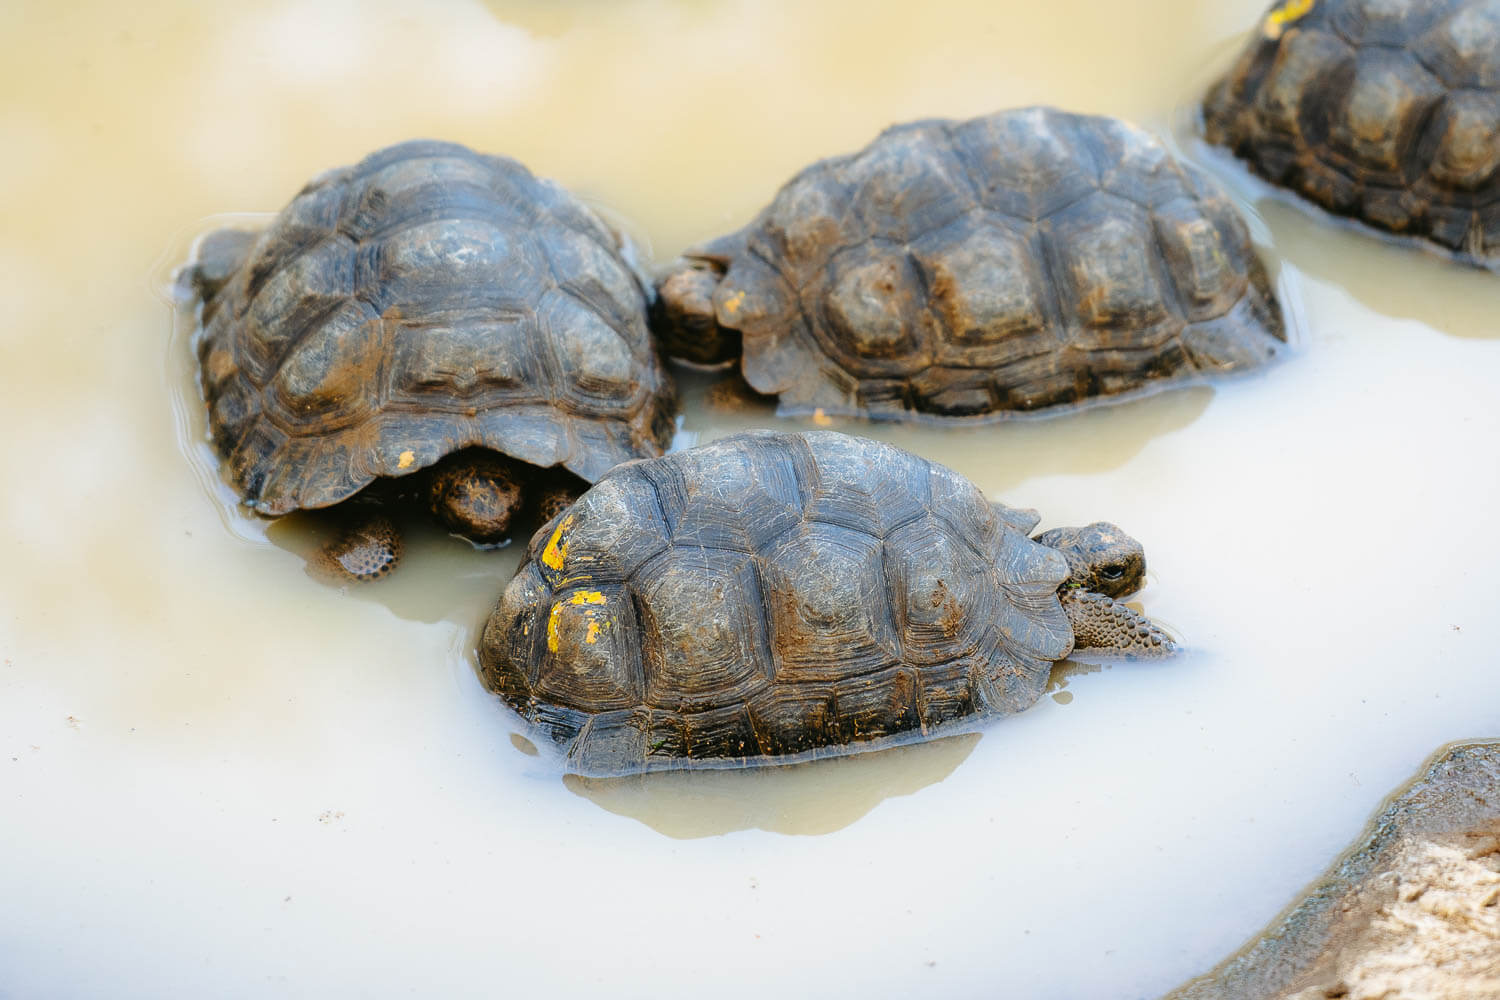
475 494
1103 625
366 550
553 499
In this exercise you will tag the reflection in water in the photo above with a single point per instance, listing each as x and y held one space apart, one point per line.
1400 278
813 797
1094 439
1063 671
1396 279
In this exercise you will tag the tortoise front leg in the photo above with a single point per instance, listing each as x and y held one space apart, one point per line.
368 548
555 497
1104 625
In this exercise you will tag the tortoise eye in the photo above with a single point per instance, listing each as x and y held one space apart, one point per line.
1112 572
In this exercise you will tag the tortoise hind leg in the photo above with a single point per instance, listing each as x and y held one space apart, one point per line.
1104 625
367 549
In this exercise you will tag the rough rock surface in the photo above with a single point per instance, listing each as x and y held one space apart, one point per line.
1411 912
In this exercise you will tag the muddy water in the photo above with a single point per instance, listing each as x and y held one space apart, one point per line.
220 777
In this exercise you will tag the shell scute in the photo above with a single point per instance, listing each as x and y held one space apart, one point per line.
989 290
828 606
1111 288
702 628
588 654
907 184
943 593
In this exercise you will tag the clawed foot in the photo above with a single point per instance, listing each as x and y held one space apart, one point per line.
1103 625
367 549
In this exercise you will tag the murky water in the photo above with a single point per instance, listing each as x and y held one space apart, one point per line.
221 777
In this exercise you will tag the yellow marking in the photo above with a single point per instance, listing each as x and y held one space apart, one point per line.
733 303
1287 13
578 597
404 462
557 549
822 419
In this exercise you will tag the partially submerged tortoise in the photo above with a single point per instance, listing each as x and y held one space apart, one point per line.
1023 260
1387 111
773 597
429 310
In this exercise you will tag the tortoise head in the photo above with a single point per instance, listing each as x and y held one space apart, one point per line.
684 317
476 493
1101 558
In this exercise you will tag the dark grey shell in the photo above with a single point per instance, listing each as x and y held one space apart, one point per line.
773 597
1387 111
1022 260
426 300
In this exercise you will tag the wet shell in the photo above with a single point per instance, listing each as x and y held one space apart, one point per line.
426 300
1387 111
772 597
1018 261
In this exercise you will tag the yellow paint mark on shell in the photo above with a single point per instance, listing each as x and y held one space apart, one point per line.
577 598
1287 13
406 459
733 303
557 548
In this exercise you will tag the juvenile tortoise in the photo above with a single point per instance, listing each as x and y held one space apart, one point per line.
1017 261
430 310
773 597
1387 111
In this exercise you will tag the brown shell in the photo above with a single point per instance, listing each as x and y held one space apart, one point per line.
426 300
1023 260
1387 111
772 597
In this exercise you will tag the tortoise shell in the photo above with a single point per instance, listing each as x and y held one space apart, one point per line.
772 597
1387 111
426 300
1026 259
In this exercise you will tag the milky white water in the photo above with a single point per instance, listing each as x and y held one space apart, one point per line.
222 778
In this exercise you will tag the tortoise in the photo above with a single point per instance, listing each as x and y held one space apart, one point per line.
1385 111
434 311
773 597
1014 262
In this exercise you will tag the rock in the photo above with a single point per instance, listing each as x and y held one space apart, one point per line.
1411 912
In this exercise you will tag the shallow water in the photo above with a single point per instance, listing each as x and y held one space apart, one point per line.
224 778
